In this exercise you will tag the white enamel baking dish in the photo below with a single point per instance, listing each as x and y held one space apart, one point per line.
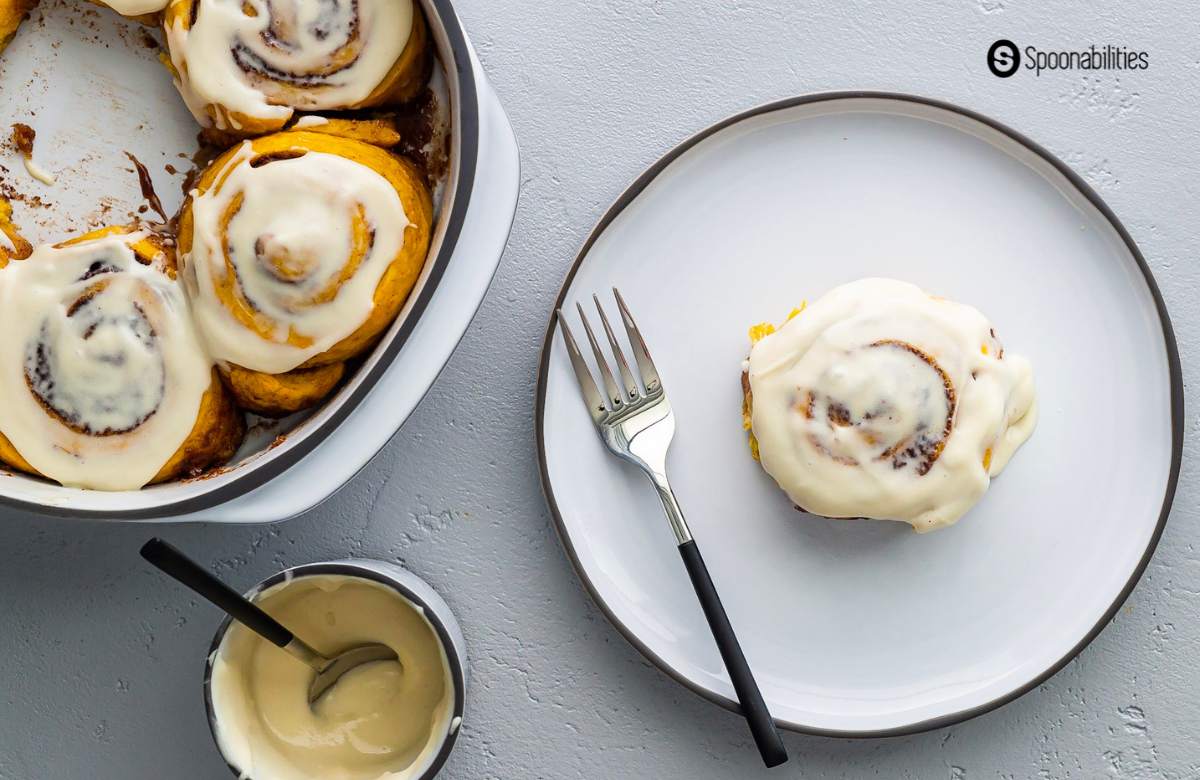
114 99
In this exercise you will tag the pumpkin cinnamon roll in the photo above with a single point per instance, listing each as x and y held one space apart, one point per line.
245 66
299 250
882 401
104 383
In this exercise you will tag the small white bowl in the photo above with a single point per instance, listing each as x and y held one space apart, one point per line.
407 585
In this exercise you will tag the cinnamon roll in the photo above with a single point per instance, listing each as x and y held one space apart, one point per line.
299 250
882 401
104 383
246 66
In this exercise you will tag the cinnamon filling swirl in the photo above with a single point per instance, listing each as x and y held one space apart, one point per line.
108 347
248 64
286 250
101 372
881 401
908 423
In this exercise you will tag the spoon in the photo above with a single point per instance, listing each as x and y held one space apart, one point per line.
329 670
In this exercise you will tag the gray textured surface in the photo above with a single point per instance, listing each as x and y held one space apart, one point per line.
103 659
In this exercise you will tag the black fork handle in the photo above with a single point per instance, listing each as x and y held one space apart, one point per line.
762 725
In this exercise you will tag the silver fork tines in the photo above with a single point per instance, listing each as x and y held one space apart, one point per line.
640 352
587 385
636 422
631 386
614 397
614 400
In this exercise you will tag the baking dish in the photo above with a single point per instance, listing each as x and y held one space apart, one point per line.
282 471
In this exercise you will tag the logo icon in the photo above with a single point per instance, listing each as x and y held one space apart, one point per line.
1003 58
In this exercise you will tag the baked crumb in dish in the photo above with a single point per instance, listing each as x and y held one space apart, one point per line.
882 401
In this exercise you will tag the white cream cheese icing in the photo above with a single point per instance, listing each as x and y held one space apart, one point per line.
101 371
38 172
382 721
289 238
882 401
136 7
285 54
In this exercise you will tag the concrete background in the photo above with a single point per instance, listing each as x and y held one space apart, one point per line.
102 658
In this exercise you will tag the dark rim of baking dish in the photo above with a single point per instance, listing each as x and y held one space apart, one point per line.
465 131
1083 188
366 572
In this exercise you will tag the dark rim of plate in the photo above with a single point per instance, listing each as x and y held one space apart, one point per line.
350 569
640 184
465 132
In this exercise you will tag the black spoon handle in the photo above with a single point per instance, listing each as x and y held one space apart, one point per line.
762 725
173 562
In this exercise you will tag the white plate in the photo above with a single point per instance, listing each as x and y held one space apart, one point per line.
859 627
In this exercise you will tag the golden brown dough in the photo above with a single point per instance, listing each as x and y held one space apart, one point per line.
377 132
18 248
278 395
219 430
12 13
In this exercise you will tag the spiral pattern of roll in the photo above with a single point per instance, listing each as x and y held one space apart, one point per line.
882 401
299 250
104 382
246 66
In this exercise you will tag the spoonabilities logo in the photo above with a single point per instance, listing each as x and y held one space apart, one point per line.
1003 58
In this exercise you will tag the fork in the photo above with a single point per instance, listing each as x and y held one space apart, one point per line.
637 425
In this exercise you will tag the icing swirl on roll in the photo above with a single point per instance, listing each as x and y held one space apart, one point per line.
246 65
101 372
882 401
286 250
906 424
